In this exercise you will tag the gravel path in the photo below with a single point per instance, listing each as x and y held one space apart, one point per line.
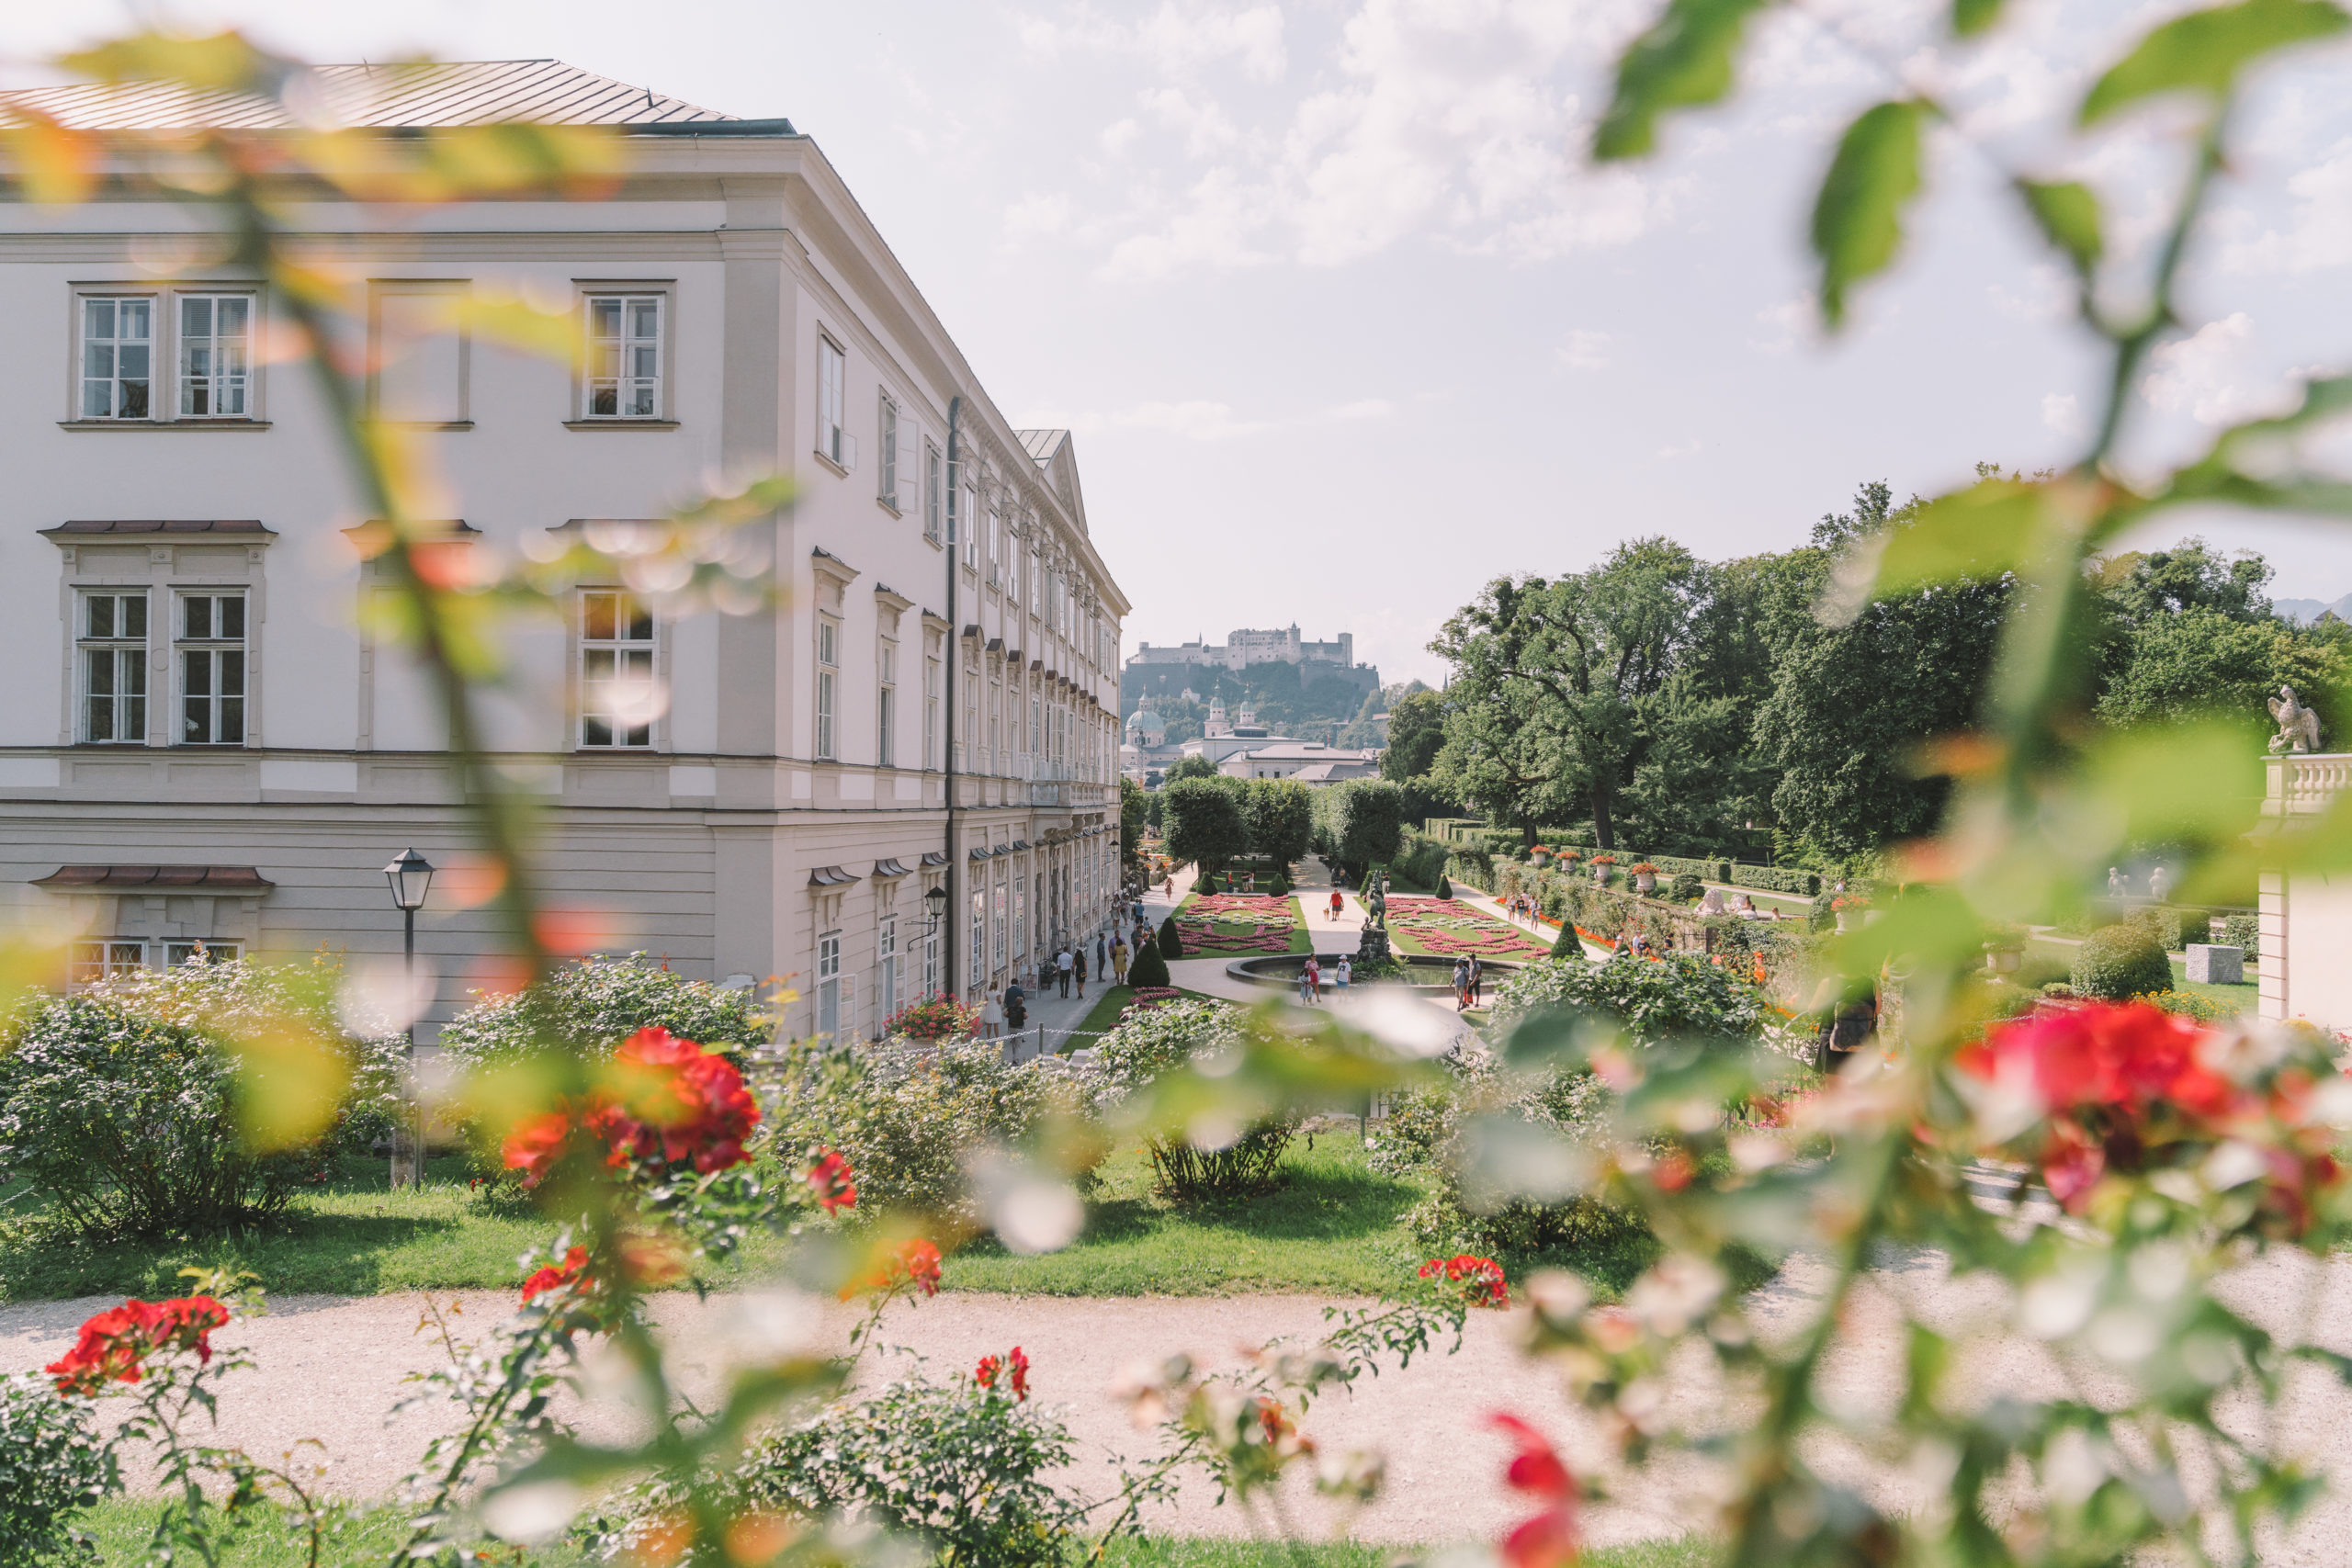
330 1367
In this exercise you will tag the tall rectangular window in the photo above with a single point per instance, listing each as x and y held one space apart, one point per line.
212 669
887 436
828 983
216 354
996 526
1019 917
995 728
976 968
886 709
996 922
930 715
829 635
971 526
624 356
832 379
971 741
114 668
930 945
885 971
118 358
933 494
617 697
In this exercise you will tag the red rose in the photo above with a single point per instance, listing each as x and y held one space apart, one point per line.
113 1345
555 1278
677 1104
1549 1540
830 1178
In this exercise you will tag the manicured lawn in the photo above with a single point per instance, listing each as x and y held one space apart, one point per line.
2231 1000
1336 1227
120 1530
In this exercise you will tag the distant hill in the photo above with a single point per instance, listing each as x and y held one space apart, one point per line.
1309 702
2306 611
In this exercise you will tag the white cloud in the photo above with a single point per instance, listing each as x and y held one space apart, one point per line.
2205 374
2048 295
1585 349
2319 232
2062 413
1037 216
1362 407
1451 120
1119 135
1175 39
1675 449
1785 323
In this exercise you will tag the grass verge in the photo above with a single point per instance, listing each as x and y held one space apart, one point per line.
120 1530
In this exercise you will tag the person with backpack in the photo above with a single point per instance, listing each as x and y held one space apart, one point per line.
1077 968
1016 1006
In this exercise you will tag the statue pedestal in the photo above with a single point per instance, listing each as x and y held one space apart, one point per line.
1372 948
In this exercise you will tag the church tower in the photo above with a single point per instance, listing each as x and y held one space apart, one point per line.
1217 724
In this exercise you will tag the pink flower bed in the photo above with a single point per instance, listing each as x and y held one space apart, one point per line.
1268 916
1451 928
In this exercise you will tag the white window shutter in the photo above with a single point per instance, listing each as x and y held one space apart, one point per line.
910 464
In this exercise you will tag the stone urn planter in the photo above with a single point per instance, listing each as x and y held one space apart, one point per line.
1539 856
1847 919
1645 881
2004 960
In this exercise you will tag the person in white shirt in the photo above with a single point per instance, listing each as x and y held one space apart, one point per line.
1341 976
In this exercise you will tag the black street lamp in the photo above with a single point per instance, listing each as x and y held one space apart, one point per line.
937 901
410 876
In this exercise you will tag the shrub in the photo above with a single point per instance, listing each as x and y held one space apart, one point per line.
1148 968
2242 930
955 1464
1776 879
909 1122
1685 890
1172 942
2118 962
589 1008
122 1105
52 1466
2173 927
1148 1045
2188 1004
1681 994
1568 945
1444 888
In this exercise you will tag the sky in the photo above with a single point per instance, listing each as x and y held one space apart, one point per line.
1346 326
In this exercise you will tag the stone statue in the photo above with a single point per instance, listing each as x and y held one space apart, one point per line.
2298 725
1711 902
1376 901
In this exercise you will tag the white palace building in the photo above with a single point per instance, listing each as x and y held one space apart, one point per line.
201 746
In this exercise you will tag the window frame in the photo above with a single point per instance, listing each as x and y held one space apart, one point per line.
931 664
888 435
827 997
182 343
661 295
216 652
834 442
886 704
826 714
933 498
124 652
586 646
84 298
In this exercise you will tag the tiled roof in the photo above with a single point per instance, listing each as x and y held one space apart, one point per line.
457 92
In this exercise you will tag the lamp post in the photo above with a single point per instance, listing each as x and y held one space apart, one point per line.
410 876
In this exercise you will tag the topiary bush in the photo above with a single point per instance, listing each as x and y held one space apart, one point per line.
1147 967
1445 887
53 1466
1685 890
2116 963
589 1008
124 1107
1149 1044
2242 930
1568 945
909 1122
1171 941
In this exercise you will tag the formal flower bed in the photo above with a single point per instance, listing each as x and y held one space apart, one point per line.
1207 923
1450 928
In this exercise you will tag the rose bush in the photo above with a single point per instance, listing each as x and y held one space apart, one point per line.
54 1468
1148 1045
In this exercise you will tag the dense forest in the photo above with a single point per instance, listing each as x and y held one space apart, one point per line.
1684 705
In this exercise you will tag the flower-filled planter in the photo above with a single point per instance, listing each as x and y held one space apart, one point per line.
1849 912
1645 877
1538 855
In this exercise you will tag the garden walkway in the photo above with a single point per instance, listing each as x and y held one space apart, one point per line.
329 1367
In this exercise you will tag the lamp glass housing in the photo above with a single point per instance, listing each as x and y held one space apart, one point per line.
410 876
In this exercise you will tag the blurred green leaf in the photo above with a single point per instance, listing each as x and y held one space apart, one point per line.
1858 218
2205 50
1970 17
1979 532
2067 212
2232 469
292 1080
1683 60
222 61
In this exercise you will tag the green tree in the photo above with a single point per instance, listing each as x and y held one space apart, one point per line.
1578 655
1191 768
1205 824
1416 731
1368 823
2207 660
1134 811
2192 575
1504 755
1280 814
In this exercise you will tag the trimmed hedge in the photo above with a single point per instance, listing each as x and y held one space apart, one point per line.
1148 968
1171 945
2242 930
2174 926
1682 865
1469 867
2118 962
1777 879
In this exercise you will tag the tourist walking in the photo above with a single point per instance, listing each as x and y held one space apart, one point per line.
1461 984
1016 1006
1119 962
1079 969
991 1019
1335 903
1062 965
1342 977
1307 977
1102 954
1477 974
